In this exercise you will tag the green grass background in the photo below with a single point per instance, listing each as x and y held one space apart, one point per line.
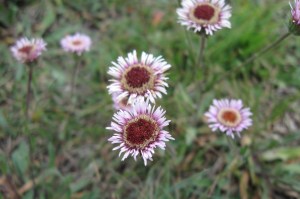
65 148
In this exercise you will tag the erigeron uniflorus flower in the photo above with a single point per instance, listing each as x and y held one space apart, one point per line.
135 78
27 50
139 130
77 43
205 16
229 116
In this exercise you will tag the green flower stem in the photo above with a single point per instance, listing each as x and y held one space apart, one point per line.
232 146
28 98
248 61
27 132
265 49
74 75
201 51
255 55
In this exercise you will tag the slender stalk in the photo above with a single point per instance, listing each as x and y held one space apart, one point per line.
74 76
31 169
28 99
248 61
189 43
232 146
201 51
265 49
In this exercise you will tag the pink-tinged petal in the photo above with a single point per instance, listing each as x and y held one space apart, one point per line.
295 10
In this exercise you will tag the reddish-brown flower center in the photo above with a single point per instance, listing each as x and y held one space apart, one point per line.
76 42
140 132
138 79
204 12
229 116
26 49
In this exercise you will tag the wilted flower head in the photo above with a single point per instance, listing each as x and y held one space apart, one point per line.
121 105
133 78
229 116
77 43
295 22
139 130
26 50
205 16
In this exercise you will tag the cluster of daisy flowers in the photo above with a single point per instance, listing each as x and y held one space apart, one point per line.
206 17
28 50
137 82
138 124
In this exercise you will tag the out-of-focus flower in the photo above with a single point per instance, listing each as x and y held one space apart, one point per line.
139 130
134 79
295 22
28 50
229 116
77 43
121 105
205 16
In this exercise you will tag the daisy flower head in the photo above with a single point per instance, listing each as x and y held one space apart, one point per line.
134 78
205 16
295 22
27 50
139 131
229 116
77 43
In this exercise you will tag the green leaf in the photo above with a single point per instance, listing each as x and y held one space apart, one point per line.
49 17
28 195
80 184
20 158
291 168
3 121
281 154
190 135
4 167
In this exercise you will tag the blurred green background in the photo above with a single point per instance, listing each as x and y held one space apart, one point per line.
65 148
